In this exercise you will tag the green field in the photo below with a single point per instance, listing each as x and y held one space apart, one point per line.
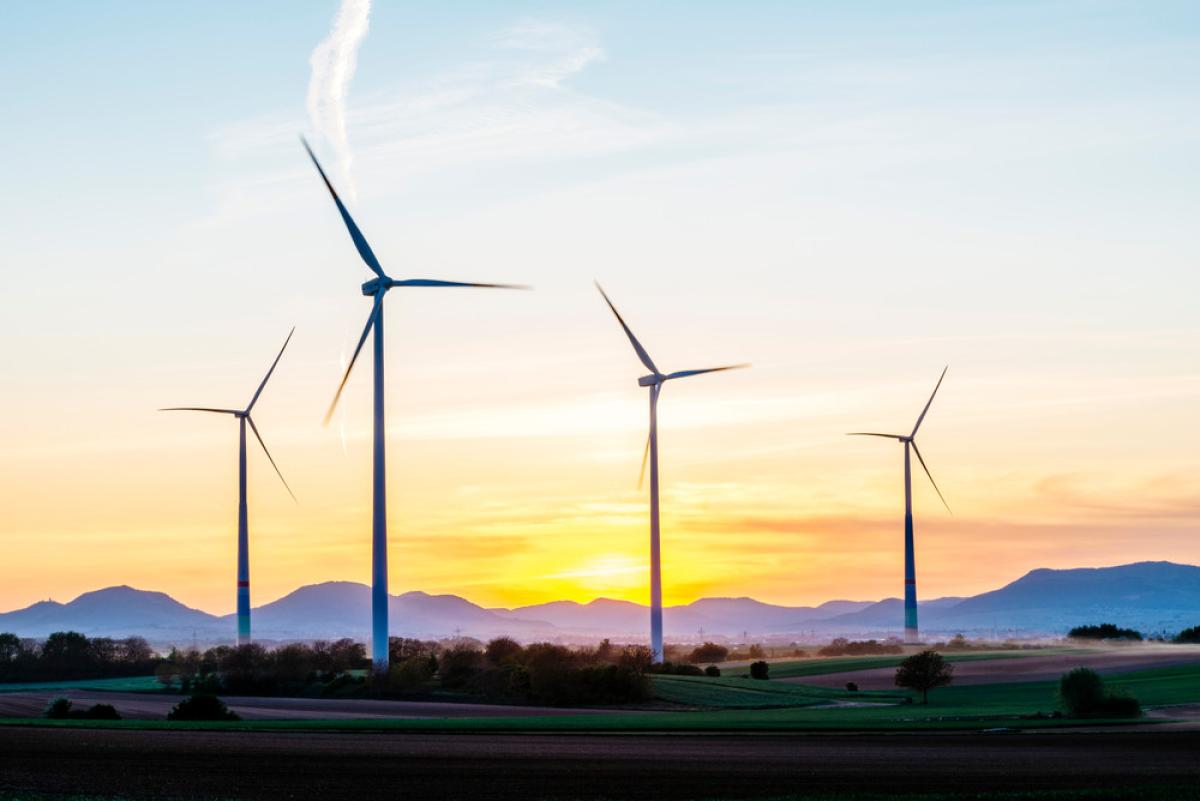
745 693
789 669
989 706
131 684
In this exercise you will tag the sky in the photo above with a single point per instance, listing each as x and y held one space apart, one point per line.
849 196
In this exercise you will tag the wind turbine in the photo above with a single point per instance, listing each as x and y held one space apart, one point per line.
654 382
378 287
910 568
243 547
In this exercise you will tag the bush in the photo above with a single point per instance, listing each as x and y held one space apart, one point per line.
673 669
843 647
58 709
709 652
101 712
1083 694
713 671
759 669
1191 635
1120 706
851 687
202 707
923 672
1105 631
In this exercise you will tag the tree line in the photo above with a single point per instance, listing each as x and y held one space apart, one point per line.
70 655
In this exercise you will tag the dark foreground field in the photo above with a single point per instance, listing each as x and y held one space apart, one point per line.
258 765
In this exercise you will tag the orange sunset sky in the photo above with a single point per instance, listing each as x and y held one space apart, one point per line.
844 207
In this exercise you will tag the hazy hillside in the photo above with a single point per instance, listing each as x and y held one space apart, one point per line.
1151 596
114 611
1145 595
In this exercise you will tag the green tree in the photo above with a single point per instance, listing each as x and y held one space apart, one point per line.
923 672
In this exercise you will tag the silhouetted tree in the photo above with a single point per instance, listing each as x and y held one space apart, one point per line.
923 672
1191 635
101 712
1105 631
456 665
503 650
58 709
637 658
66 653
1084 695
759 670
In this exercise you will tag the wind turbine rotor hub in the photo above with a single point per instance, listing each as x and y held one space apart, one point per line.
375 286
649 380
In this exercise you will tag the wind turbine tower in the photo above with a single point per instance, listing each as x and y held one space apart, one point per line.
376 288
243 546
654 383
911 632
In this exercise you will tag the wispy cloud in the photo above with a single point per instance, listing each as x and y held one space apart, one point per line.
568 49
509 104
333 62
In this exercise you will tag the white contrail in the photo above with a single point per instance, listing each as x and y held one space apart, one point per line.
333 62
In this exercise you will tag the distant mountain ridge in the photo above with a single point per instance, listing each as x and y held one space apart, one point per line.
1149 596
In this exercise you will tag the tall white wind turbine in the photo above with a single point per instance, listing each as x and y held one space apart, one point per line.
654 382
911 634
377 287
243 546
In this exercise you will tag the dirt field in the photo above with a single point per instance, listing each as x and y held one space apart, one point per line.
347 766
153 706
1026 668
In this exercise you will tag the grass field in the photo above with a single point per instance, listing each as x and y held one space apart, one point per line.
985 706
789 669
745 693
131 684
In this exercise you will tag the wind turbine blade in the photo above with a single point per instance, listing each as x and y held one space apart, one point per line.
686 373
873 434
268 375
929 402
637 346
358 349
360 242
258 436
432 282
199 409
645 458
917 451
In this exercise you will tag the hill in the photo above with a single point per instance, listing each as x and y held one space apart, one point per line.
1149 596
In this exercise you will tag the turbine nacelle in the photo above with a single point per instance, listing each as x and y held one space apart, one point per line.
910 440
376 286
650 380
